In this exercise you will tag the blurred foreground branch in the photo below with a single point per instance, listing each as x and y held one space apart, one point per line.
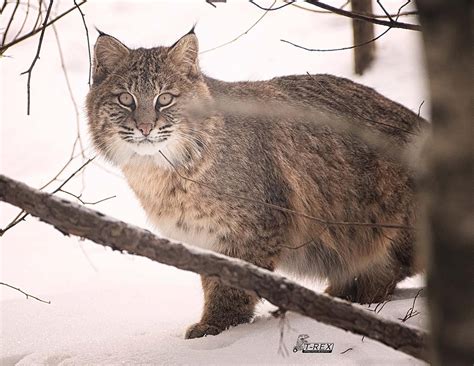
72 219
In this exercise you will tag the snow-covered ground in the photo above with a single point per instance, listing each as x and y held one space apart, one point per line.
110 308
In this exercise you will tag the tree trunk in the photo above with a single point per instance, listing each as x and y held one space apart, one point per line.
363 32
447 181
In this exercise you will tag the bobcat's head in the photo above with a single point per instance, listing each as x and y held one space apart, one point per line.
137 104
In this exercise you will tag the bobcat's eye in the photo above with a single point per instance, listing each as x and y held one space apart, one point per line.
126 99
163 100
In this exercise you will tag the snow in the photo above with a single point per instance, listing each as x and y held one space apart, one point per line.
111 308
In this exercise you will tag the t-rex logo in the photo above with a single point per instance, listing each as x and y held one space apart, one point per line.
306 347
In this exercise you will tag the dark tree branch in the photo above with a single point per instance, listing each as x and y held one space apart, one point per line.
74 219
349 47
350 14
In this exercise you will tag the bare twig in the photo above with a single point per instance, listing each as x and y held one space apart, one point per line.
78 139
88 41
240 35
22 215
28 6
271 8
385 11
379 306
10 21
339 48
347 350
350 14
25 293
73 219
411 312
210 3
353 46
37 56
79 198
36 30
295 4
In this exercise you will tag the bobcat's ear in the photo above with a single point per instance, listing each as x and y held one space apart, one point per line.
108 53
184 54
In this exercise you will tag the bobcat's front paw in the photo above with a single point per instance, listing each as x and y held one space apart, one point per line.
199 330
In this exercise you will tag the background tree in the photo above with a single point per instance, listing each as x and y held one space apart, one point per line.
362 33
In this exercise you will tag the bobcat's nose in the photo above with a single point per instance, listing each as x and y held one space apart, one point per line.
145 128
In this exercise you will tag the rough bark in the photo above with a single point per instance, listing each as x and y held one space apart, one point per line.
362 32
71 218
447 33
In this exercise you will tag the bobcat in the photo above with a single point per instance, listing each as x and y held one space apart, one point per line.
258 171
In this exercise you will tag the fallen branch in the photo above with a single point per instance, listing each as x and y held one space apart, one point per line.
73 219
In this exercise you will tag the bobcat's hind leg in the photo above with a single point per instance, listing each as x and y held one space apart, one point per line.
374 285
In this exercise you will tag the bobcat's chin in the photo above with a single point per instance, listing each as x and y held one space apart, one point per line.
147 148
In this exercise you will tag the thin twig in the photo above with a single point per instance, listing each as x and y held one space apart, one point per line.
38 17
295 4
240 35
10 21
411 312
347 350
387 14
88 40
37 30
210 3
78 139
28 6
312 240
339 48
25 293
348 47
22 215
37 56
353 15
79 198
284 209
271 8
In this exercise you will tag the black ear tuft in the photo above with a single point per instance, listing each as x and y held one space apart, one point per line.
192 29
100 32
